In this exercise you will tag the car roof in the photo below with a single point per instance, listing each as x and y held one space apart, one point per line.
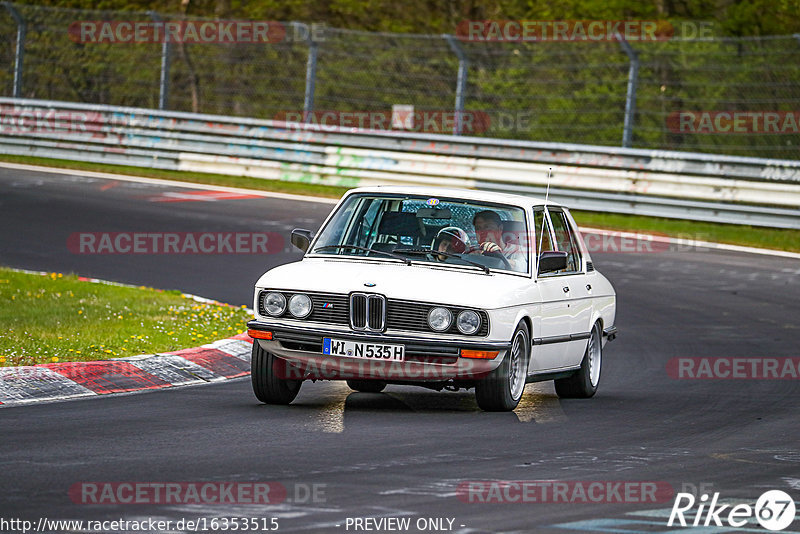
467 194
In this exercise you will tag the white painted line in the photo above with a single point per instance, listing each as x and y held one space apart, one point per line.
322 200
690 242
173 183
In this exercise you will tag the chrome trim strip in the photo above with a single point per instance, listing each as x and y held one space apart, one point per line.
560 339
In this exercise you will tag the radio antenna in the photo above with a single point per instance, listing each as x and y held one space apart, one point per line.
544 215
547 192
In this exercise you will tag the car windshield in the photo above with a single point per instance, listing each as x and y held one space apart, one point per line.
445 231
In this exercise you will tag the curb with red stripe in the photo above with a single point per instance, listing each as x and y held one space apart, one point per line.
221 360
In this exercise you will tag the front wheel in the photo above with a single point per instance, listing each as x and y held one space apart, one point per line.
501 390
583 384
266 371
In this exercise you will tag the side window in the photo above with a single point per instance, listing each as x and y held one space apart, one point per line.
541 224
565 241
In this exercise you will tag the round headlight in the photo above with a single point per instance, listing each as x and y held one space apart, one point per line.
274 303
300 305
468 322
440 319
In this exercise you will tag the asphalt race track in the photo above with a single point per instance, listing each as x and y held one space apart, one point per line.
403 453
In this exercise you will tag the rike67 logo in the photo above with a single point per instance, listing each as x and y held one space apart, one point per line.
774 510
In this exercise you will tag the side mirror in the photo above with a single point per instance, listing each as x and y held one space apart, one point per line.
301 238
553 260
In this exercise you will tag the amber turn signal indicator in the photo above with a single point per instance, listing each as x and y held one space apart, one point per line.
482 354
259 334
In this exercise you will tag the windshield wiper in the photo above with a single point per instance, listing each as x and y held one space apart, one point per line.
365 249
447 254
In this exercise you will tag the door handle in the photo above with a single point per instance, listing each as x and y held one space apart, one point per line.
566 289
588 287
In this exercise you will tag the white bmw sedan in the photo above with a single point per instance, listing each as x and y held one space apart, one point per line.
441 288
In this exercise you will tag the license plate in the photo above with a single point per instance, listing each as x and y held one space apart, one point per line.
368 351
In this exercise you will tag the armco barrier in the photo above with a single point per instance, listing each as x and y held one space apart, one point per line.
705 187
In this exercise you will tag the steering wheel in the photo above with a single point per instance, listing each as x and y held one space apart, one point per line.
498 255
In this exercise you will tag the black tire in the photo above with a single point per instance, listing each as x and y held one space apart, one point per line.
494 392
367 386
265 372
580 385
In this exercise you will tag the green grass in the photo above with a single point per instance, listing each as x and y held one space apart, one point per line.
773 238
57 317
734 234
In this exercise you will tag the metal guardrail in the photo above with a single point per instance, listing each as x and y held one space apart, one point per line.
760 192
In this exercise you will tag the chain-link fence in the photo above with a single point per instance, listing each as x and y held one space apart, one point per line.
680 94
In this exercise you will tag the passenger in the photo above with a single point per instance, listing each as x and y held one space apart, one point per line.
489 229
451 239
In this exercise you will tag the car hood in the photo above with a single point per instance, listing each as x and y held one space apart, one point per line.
418 282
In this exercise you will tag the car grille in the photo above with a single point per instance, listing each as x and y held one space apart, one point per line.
408 315
367 312
335 313
325 307
334 309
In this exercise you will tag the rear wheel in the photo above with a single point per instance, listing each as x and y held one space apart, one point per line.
367 386
583 384
502 389
266 371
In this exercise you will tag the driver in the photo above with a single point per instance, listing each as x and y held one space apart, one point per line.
489 229
451 239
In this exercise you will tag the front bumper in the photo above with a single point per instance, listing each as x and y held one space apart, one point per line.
427 359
